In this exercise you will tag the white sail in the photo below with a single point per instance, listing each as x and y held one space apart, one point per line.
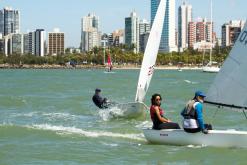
151 52
230 85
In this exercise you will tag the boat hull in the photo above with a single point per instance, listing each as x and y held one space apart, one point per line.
211 69
216 138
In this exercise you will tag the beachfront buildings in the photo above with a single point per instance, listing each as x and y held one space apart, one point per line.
9 21
231 31
30 43
200 32
168 38
55 43
90 34
184 17
132 32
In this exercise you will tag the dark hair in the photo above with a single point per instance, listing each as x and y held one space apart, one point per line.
153 102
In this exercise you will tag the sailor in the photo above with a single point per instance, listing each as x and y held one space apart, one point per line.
98 100
193 115
157 115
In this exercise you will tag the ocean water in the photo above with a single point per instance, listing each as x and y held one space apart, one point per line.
47 117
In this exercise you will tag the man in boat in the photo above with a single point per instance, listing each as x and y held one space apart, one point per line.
98 100
157 115
193 116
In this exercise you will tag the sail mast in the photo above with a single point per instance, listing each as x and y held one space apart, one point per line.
211 35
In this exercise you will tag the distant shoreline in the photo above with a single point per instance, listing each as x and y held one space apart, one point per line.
46 66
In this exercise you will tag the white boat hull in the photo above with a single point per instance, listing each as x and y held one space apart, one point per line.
132 110
211 69
216 138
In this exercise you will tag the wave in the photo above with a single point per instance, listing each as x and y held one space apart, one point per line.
92 134
196 146
190 82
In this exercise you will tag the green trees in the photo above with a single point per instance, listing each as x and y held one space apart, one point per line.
119 56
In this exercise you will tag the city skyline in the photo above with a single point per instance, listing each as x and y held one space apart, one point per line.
67 16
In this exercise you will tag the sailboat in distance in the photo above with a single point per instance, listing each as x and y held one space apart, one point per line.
109 63
229 90
210 67
138 109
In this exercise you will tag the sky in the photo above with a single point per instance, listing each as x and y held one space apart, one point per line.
66 14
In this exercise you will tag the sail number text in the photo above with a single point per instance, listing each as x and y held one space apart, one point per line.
243 37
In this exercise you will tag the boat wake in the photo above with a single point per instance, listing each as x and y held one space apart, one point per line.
81 132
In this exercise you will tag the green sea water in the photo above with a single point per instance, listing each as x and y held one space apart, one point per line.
47 117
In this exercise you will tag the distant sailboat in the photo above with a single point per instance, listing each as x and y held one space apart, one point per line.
227 91
210 67
109 63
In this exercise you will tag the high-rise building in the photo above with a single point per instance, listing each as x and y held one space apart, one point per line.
184 17
39 42
132 32
31 42
143 41
90 34
56 43
17 43
144 27
191 34
200 31
167 42
118 37
9 21
231 31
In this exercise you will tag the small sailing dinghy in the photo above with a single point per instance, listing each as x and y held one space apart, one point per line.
138 108
109 65
229 90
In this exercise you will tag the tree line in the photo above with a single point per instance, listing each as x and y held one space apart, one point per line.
119 56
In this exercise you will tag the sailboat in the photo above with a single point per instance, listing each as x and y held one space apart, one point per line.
109 65
210 67
227 91
137 108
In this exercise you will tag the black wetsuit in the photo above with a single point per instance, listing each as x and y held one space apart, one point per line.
99 101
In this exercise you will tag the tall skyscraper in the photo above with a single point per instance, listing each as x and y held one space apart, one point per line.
184 17
40 42
55 42
167 43
90 34
132 31
9 21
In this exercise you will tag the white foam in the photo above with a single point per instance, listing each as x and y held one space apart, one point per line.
190 82
113 112
196 146
95 134
146 124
